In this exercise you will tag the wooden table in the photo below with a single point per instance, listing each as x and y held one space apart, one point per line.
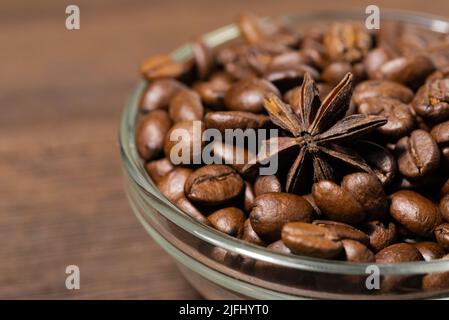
61 95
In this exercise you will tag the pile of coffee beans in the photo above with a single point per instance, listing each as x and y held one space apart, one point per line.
398 212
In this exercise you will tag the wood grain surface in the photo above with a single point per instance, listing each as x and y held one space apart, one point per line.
61 95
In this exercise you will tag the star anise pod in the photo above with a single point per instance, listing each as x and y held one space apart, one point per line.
319 132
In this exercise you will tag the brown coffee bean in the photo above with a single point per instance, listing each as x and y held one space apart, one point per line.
186 105
432 100
311 201
183 143
357 252
266 184
228 220
162 66
223 120
381 161
249 94
250 28
411 71
381 235
343 231
157 169
204 60
159 94
151 133
445 188
311 240
415 212
442 235
186 206
248 202
444 207
272 210
212 92
233 156
287 78
430 250
418 155
436 281
400 117
335 71
172 184
213 185
250 235
381 88
399 252
374 60
367 190
441 135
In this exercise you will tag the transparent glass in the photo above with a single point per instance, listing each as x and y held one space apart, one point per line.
220 266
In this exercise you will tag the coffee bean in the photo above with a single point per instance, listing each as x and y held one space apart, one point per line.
186 206
228 154
381 161
311 240
335 71
399 252
400 117
212 92
159 94
445 188
432 100
250 28
186 105
272 210
441 135
172 184
162 66
183 143
444 207
311 201
249 195
157 169
442 235
381 235
228 220
266 184
415 212
418 155
287 78
436 281
374 60
381 88
357 252
213 185
222 120
204 60
249 94
430 250
250 235
343 231
151 133
410 71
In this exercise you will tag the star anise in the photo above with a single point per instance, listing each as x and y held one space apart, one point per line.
319 132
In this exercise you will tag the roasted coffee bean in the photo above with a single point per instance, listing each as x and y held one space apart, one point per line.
381 235
444 207
442 235
411 71
223 120
311 201
228 220
374 60
272 210
151 133
158 168
311 240
172 184
162 66
399 252
347 42
430 250
186 105
249 197
445 189
440 134
432 100
183 143
204 61
418 155
436 281
186 206
249 94
212 92
335 71
400 117
228 154
415 212
381 88
344 231
250 28
250 235
266 184
214 184
290 77
159 94
381 161
357 252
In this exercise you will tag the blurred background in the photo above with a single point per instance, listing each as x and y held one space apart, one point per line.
61 95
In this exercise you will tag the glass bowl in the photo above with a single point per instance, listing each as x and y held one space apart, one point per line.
223 267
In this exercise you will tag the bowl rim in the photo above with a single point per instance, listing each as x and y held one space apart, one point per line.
134 168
